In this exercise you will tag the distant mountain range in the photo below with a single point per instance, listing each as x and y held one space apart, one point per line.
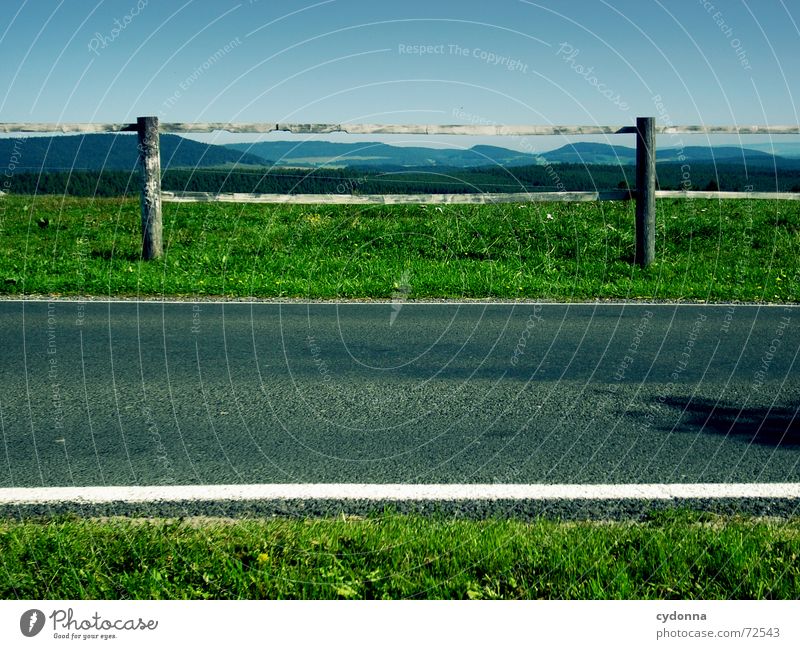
386 156
118 152
598 153
115 152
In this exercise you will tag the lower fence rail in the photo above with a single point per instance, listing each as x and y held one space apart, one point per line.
459 199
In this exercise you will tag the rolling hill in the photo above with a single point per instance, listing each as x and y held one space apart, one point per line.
377 155
115 152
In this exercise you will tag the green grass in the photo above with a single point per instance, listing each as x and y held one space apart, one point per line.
706 250
678 555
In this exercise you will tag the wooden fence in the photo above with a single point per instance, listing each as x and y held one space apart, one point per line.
148 129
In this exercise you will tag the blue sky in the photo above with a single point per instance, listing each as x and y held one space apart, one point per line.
507 61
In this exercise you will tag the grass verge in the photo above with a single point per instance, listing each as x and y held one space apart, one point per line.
741 250
675 555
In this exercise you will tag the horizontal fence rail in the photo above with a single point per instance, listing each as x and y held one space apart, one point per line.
392 129
398 129
462 199
67 127
645 194
395 199
759 196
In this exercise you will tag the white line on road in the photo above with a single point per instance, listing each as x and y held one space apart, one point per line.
395 492
210 300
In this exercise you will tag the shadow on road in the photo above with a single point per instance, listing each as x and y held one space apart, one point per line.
778 426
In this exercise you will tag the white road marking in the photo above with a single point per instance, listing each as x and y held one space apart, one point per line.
395 492
202 300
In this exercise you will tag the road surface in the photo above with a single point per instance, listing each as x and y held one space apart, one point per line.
126 393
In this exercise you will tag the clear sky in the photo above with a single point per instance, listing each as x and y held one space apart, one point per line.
466 61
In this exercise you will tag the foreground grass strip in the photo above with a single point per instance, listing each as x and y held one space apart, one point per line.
673 555
706 250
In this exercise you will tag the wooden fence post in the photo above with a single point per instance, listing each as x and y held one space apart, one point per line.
645 190
150 166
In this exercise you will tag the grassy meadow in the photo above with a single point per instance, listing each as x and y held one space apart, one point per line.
743 250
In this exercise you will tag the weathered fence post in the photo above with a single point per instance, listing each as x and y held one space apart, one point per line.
150 165
645 190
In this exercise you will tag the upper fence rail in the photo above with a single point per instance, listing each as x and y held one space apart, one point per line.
392 129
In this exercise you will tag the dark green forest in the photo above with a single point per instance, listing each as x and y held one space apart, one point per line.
569 177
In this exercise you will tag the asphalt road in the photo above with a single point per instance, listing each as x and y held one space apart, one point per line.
125 393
